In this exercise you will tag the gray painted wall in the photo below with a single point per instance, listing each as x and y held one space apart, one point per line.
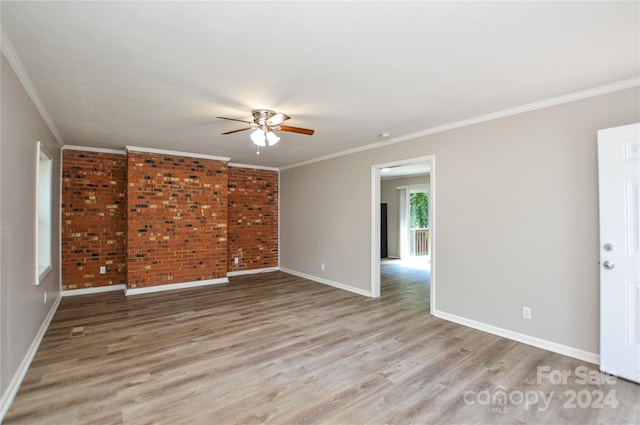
389 195
22 307
516 210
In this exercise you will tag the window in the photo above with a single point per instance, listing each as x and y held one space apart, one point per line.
44 181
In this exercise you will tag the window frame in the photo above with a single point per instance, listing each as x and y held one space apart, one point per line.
43 213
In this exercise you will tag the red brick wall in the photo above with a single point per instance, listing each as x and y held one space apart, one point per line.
183 219
93 219
176 219
253 218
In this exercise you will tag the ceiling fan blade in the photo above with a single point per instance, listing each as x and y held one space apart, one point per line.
278 118
234 119
235 131
297 130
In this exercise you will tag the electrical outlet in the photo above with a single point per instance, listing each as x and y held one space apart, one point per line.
103 269
236 260
526 312
322 266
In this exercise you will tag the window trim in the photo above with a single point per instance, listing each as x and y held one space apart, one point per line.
43 260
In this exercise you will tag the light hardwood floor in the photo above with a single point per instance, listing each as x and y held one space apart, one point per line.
274 348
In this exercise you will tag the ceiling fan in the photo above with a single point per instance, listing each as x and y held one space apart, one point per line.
265 124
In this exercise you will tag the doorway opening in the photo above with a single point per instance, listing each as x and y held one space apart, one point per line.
413 223
408 189
419 224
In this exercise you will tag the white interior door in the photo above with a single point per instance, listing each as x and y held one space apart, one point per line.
619 187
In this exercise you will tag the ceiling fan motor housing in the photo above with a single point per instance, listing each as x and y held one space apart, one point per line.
262 116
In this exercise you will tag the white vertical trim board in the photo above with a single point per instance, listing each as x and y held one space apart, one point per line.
432 231
36 225
14 385
404 219
375 229
576 353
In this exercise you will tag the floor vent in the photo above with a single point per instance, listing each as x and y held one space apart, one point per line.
76 332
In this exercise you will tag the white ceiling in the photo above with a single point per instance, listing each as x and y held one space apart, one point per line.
156 74
417 168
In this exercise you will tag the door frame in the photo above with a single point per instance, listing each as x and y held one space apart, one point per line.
375 223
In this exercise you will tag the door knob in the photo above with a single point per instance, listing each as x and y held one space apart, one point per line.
608 265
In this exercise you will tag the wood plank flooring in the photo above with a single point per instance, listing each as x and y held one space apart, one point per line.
274 348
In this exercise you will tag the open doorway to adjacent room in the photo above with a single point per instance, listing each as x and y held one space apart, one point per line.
413 218
403 226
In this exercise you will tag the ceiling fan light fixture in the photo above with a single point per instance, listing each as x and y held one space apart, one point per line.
264 126
272 138
258 137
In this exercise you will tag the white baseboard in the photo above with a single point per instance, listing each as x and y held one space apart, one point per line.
576 353
328 282
96 290
14 385
254 271
173 286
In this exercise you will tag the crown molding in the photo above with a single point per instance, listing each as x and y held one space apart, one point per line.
23 77
256 167
91 149
176 153
559 100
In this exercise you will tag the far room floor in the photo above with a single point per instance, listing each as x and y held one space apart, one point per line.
274 348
